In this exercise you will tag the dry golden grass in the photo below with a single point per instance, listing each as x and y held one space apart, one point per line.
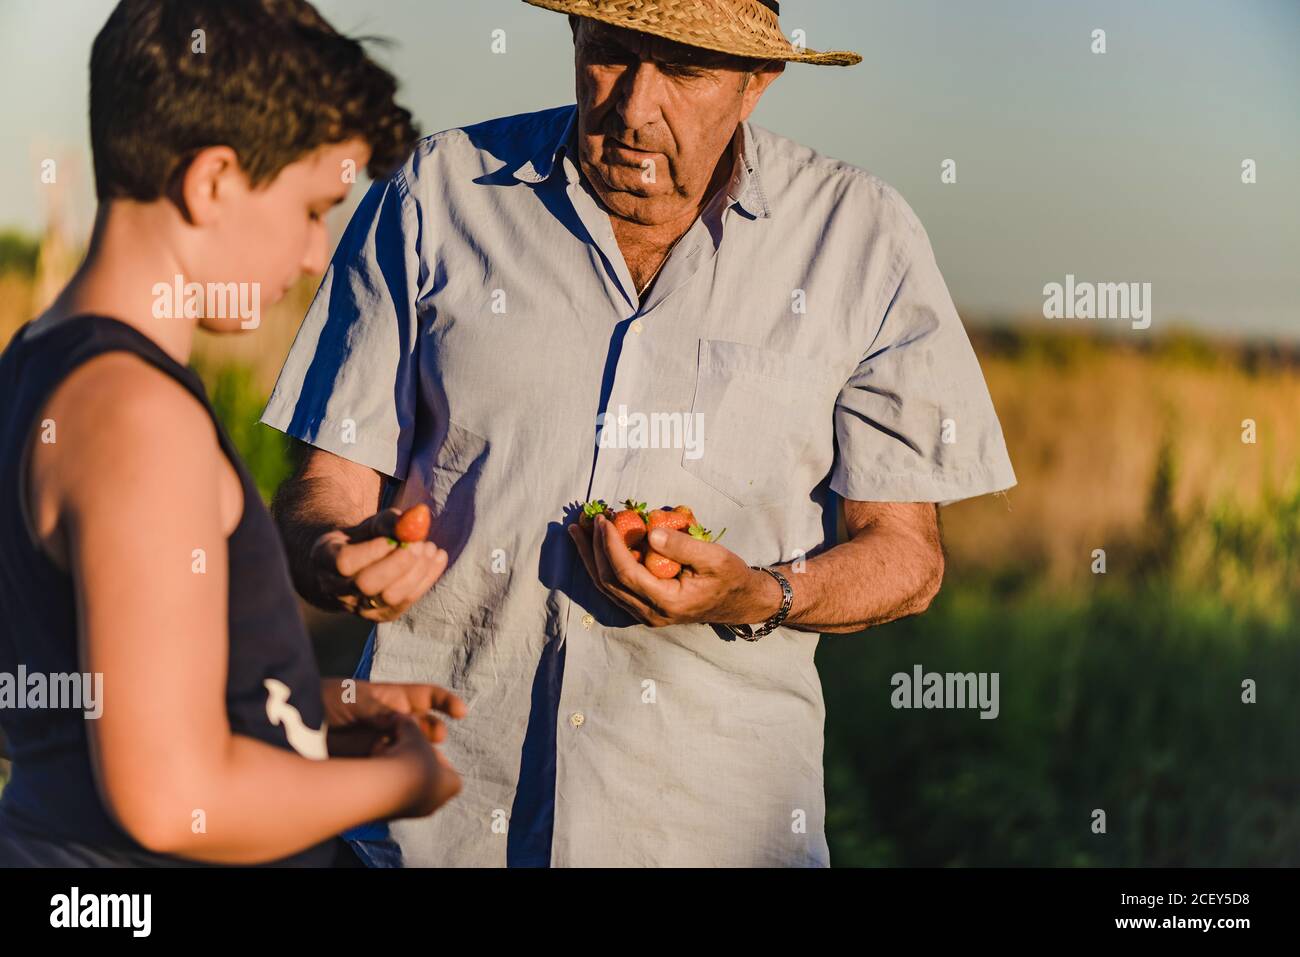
1085 425
263 349
16 303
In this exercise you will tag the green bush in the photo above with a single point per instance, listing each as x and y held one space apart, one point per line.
1128 702
239 403
18 252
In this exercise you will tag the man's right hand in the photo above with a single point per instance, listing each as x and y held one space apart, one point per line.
368 574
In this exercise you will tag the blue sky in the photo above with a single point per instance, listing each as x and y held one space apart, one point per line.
1115 167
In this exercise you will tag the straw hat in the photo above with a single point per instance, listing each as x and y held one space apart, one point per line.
747 28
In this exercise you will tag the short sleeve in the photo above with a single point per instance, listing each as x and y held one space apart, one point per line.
915 422
349 384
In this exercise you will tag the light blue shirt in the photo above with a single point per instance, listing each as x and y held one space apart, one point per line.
798 344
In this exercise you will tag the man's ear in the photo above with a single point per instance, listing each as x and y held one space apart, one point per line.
757 85
212 175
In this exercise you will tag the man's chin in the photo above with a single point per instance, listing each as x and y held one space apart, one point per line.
623 179
648 206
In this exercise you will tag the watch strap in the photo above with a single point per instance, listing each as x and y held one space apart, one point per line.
787 601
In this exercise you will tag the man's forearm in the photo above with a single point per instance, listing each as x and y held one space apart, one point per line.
325 493
882 573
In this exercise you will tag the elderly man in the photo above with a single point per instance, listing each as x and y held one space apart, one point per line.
645 251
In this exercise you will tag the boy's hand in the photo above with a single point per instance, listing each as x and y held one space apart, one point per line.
362 715
433 781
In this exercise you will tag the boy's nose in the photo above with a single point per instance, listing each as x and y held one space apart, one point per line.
317 252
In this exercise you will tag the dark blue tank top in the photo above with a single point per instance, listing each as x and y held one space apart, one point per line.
52 796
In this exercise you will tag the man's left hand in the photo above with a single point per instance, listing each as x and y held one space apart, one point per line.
715 585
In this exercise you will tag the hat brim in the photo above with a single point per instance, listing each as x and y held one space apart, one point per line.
747 45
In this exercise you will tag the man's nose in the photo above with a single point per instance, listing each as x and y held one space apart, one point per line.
639 100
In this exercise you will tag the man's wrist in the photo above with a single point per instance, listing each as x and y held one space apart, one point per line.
768 596
762 622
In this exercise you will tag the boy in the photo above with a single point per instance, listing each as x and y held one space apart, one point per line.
135 551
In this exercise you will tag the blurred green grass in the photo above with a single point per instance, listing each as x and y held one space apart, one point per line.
1127 701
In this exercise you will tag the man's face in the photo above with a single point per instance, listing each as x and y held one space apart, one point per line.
655 118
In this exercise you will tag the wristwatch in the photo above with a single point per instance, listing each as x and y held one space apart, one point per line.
787 599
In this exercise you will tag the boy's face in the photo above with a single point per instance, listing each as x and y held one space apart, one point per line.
273 234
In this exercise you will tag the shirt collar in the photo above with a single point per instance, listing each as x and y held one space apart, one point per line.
538 169
745 188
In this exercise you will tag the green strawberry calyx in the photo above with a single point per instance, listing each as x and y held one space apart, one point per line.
595 507
700 533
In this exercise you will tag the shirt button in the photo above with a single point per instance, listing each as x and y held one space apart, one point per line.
636 326
588 621
577 718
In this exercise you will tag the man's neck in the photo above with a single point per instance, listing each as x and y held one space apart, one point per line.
645 247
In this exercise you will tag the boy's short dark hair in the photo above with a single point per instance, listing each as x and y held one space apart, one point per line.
274 82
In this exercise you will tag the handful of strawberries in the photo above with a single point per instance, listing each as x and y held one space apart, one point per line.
634 523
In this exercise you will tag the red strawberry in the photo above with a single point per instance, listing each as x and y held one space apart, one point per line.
679 519
661 566
413 524
676 519
590 510
630 523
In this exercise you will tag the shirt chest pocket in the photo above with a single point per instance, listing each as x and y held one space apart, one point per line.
767 420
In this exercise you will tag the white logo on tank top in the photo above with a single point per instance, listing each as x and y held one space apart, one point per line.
308 743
